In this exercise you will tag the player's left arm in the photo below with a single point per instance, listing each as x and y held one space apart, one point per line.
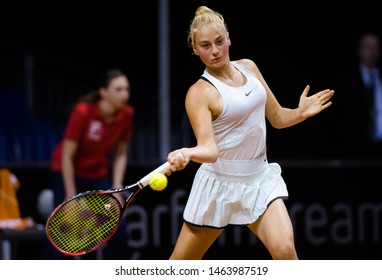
282 117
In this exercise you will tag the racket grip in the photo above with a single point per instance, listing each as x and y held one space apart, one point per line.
161 169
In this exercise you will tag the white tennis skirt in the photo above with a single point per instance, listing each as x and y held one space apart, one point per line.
233 192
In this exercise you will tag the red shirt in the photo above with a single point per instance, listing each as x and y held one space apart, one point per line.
96 139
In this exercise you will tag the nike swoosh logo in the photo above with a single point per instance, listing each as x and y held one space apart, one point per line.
248 93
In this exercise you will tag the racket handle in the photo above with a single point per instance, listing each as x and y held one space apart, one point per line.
161 169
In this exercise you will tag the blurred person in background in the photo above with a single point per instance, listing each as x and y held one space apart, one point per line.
358 114
98 132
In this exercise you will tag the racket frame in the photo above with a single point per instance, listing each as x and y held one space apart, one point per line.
134 188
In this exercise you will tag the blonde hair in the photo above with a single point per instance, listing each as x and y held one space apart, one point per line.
204 16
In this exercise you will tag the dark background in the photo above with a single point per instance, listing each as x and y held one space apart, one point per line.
293 45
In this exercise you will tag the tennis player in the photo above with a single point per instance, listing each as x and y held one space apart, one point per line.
235 184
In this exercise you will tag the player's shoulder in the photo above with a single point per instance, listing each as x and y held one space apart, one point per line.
246 63
200 87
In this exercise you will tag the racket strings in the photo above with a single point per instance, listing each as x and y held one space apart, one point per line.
82 224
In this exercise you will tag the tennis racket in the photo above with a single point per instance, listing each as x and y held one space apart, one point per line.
84 222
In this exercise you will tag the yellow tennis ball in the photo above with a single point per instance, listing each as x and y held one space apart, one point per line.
158 182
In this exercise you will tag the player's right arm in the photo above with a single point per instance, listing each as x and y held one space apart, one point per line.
203 104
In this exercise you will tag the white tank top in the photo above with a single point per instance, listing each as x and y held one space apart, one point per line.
240 130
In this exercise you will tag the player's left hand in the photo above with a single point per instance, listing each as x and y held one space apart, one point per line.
314 104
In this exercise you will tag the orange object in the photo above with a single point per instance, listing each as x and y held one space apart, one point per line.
9 206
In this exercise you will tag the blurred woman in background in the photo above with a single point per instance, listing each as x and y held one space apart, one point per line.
98 132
